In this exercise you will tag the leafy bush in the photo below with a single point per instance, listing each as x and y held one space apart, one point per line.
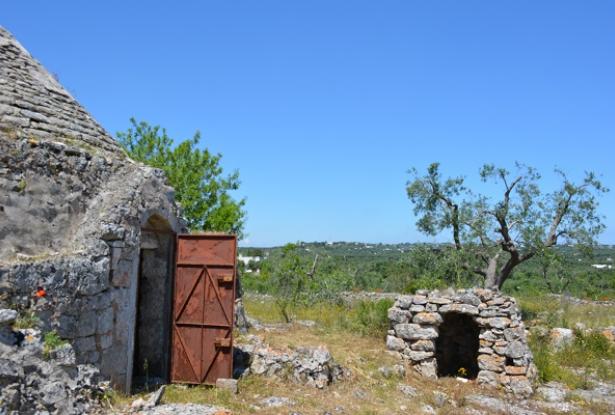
371 318
51 341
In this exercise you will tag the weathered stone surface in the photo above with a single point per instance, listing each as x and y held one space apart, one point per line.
423 345
427 318
439 300
398 316
491 362
468 298
515 370
395 344
403 302
310 366
560 337
418 355
487 377
7 316
416 308
415 332
516 349
504 358
32 382
498 322
72 209
520 386
459 308
427 368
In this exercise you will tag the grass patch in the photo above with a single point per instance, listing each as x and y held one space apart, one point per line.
364 317
26 320
588 355
559 312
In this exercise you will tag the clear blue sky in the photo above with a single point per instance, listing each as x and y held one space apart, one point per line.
324 105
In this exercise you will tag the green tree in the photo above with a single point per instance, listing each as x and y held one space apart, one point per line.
289 281
495 236
196 175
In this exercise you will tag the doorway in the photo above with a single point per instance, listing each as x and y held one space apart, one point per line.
457 346
154 291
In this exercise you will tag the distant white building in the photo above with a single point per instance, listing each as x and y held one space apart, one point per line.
602 266
246 259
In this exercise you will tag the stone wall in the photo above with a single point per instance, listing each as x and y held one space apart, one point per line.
425 331
72 209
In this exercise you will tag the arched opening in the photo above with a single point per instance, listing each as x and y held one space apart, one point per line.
457 346
153 319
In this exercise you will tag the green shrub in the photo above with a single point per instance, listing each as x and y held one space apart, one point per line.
51 341
370 317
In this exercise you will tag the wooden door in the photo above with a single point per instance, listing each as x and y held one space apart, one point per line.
203 308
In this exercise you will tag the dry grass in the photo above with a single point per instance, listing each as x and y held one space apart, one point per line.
557 312
366 392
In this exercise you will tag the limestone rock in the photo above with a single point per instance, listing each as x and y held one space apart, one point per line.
415 332
395 344
560 337
459 308
427 318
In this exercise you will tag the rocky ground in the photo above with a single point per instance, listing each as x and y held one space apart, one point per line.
300 368
39 378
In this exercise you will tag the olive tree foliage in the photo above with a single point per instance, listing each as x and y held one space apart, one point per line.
196 175
495 235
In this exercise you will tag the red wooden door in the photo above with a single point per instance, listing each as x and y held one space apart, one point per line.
203 305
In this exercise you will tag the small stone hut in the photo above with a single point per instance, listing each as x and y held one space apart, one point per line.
82 221
476 334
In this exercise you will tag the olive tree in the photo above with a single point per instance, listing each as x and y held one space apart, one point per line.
495 235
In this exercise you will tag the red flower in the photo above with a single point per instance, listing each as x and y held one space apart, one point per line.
40 292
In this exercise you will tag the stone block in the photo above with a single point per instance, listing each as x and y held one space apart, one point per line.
439 300
520 386
105 321
395 343
416 308
85 344
498 322
397 315
487 377
428 368
403 302
415 332
417 356
492 363
459 308
467 298
7 316
105 340
87 323
419 300
427 318
517 349
515 370
423 345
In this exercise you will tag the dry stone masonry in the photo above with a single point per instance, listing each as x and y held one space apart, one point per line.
312 366
468 333
84 223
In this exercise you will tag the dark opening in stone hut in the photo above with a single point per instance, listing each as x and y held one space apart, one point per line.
475 334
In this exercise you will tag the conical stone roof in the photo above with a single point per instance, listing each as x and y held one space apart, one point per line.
34 105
